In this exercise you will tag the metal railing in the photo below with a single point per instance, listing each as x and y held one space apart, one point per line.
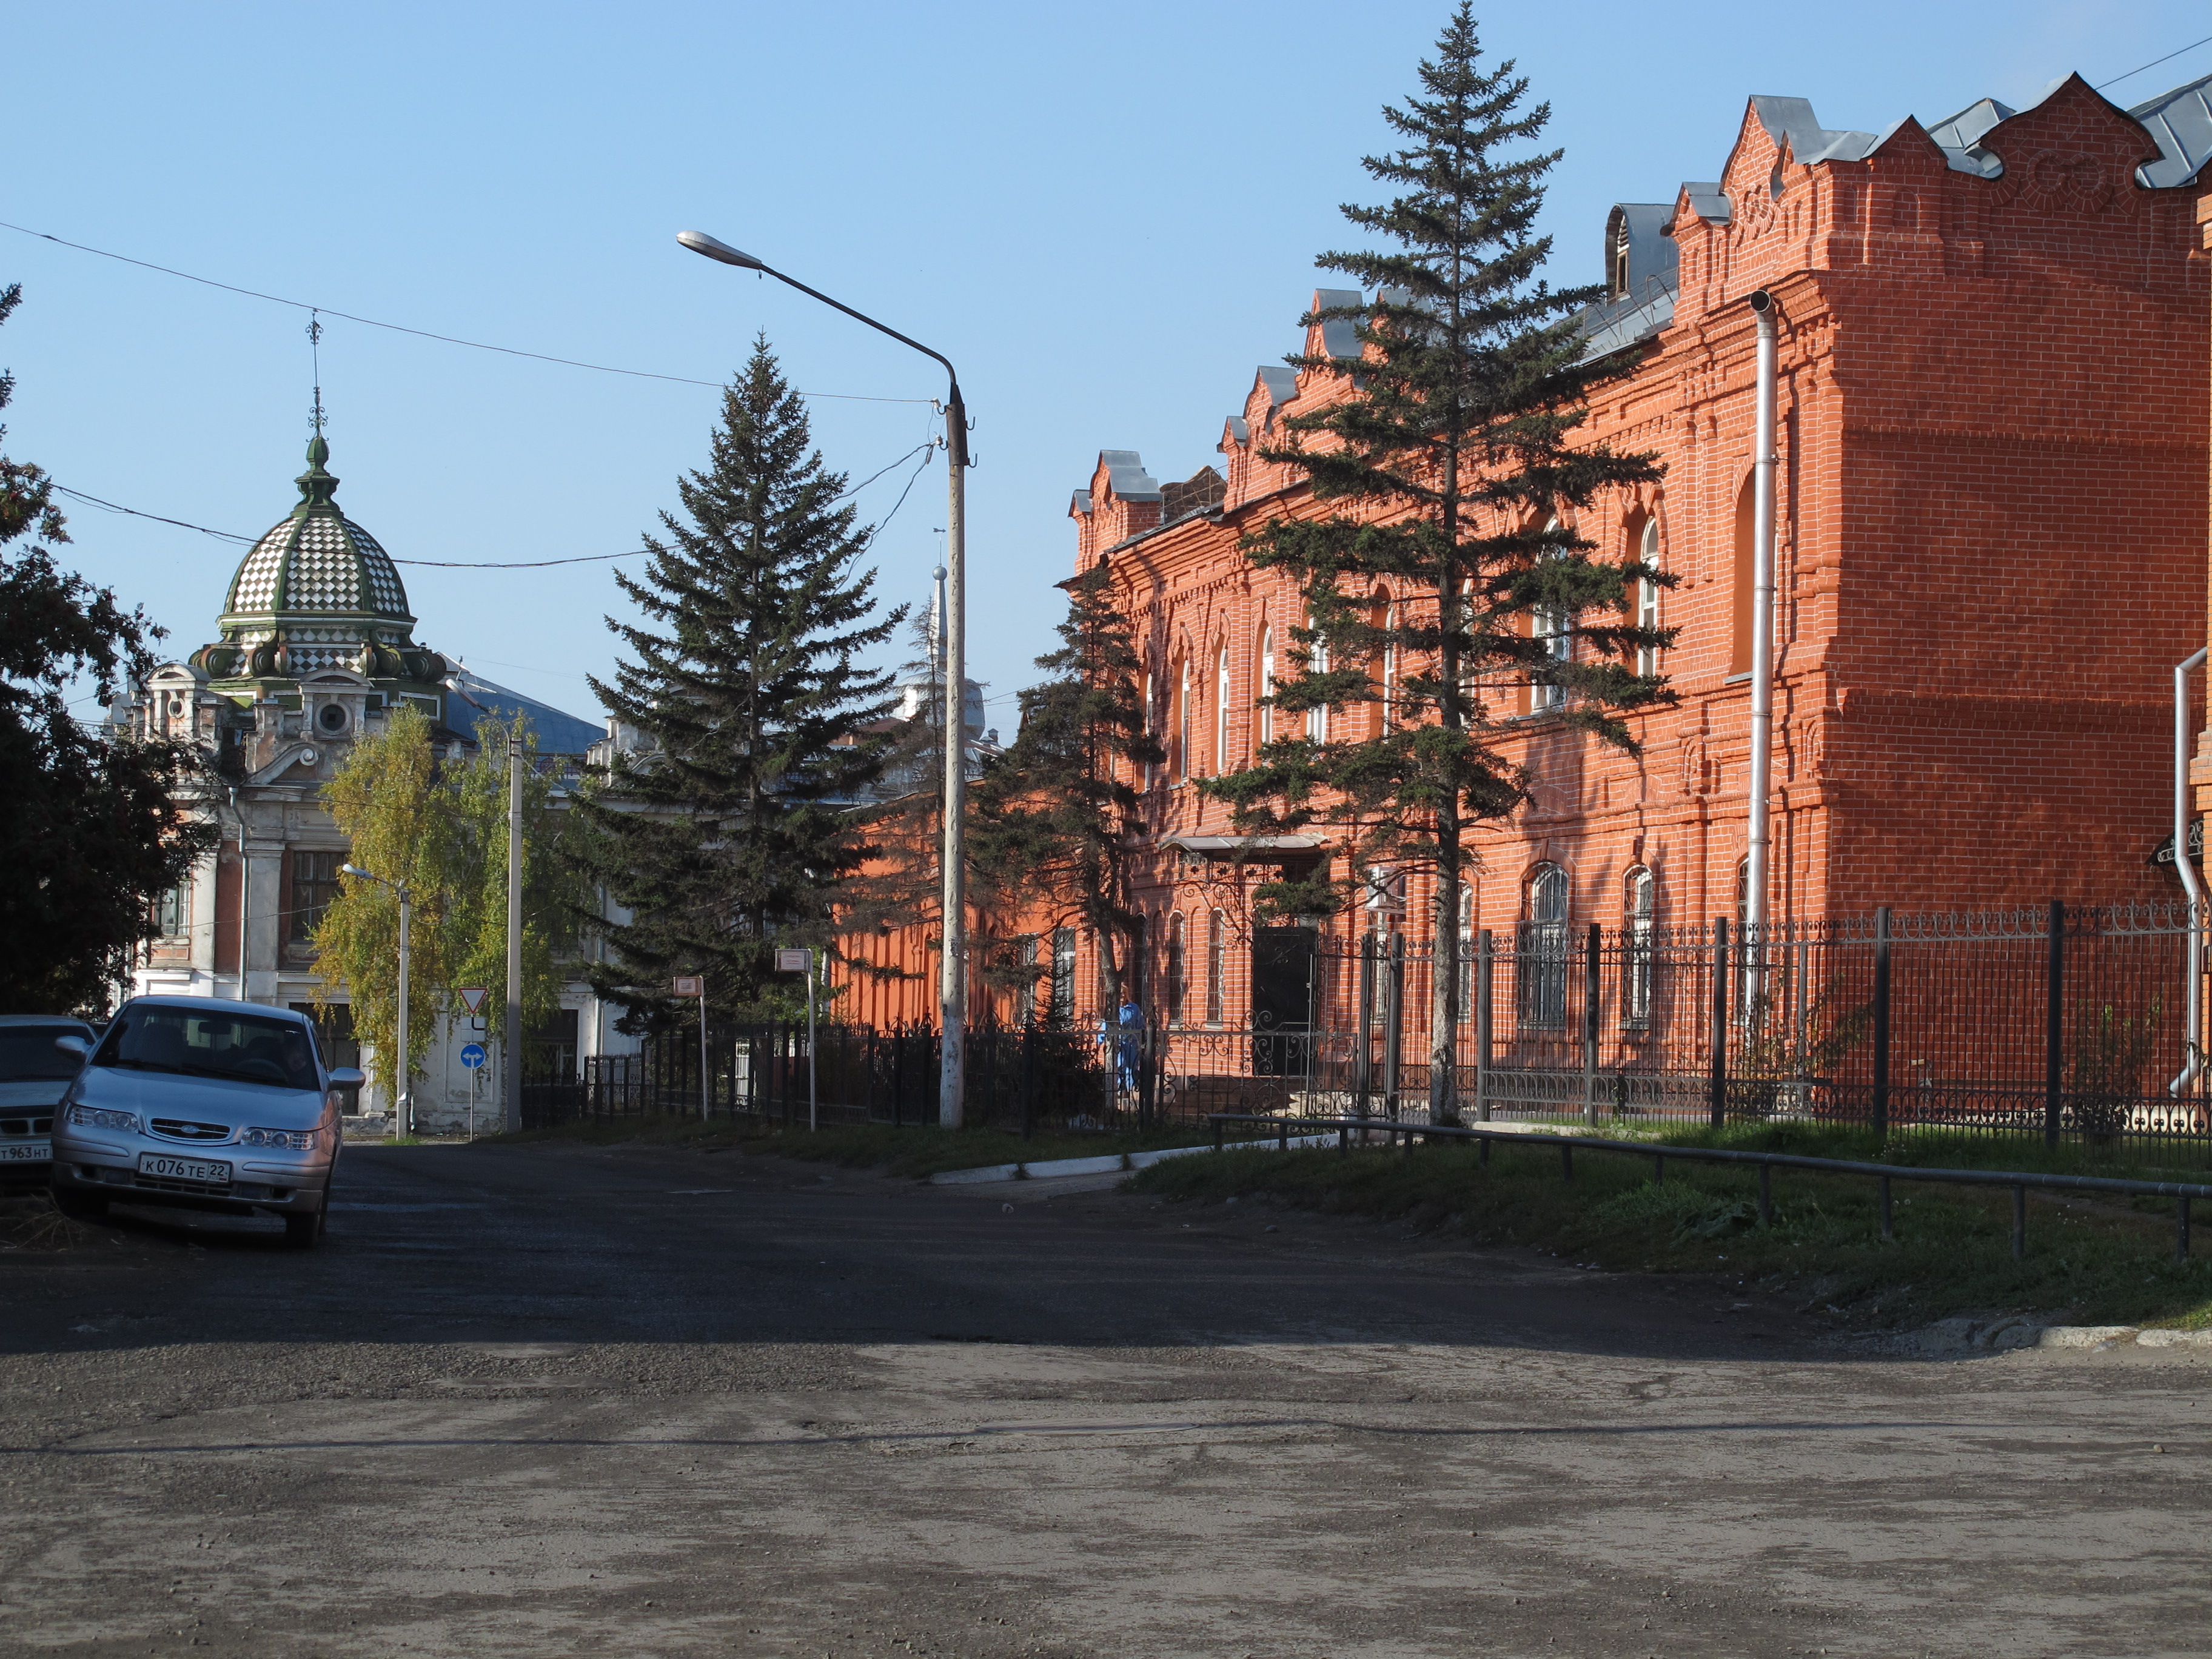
1406 1133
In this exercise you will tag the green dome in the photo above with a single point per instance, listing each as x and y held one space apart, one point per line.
317 563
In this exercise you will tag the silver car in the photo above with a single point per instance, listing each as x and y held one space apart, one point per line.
202 1104
34 1074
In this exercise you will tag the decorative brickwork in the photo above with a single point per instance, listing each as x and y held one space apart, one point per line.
1991 544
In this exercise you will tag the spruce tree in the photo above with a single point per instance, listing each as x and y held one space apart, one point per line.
732 828
1057 816
1456 468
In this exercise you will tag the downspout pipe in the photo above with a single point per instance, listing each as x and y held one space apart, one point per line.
2192 989
1757 838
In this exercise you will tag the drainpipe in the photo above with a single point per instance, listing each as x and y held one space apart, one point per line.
1762 630
2192 1053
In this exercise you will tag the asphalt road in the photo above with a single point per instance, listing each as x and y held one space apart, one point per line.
549 1400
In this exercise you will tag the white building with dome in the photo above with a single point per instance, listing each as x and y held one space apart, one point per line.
317 647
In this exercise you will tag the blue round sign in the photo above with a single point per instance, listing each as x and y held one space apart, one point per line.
473 1055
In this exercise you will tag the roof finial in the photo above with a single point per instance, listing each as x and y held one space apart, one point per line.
315 354
316 485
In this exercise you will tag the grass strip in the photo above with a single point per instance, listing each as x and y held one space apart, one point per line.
2089 1260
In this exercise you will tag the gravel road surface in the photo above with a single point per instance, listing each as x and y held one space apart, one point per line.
546 1399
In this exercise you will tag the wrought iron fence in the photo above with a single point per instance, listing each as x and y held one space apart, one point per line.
2070 1023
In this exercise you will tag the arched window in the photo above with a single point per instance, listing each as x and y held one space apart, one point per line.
1746 523
1540 953
1554 628
1220 709
1388 706
1182 720
1647 598
1639 906
1062 1004
1152 724
1267 684
1467 932
1217 964
1173 976
1317 716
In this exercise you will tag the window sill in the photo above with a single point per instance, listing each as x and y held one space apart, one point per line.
1743 678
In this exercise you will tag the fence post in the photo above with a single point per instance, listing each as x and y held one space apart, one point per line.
1881 1022
2054 1037
1485 981
1394 1014
1717 1101
1592 990
1362 1056
1148 1075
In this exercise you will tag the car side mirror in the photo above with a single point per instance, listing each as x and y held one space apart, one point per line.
348 1077
74 1045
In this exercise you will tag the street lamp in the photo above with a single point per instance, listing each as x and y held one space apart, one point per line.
952 979
405 1104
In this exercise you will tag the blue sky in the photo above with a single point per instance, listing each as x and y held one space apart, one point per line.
1107 217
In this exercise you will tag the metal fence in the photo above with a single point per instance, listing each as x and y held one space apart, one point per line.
2069 1023
1054 1078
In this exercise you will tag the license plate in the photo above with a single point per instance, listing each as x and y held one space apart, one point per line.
183 1169
27 1151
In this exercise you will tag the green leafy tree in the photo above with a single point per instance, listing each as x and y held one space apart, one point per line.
441 828
737 827
556 892
1058 815
1455 469
391 801
96 826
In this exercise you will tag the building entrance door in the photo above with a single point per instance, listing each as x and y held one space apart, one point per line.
1282 999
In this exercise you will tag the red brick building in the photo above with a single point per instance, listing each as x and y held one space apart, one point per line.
1990 545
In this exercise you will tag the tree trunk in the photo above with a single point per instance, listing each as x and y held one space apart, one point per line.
1444 956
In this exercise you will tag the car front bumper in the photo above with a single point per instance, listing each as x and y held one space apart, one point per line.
109 1170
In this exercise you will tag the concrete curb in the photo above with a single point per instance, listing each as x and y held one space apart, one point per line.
1959 1336
1106 1165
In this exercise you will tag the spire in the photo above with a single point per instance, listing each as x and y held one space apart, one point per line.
317 486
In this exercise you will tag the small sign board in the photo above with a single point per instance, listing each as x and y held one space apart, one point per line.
473 999
689 985
794 959
473 1055
2163 853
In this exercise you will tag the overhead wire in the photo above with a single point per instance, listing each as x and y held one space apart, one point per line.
420 333
2153 63
924 450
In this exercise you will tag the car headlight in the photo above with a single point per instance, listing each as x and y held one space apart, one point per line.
289 1141
99 1117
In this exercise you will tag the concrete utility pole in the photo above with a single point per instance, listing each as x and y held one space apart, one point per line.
245 891
511 1046
952 967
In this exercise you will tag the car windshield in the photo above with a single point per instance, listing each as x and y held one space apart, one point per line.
28 1054
244 1047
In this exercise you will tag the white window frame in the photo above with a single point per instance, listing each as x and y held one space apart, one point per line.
1646 600
1182 722
1642 927
1557 630
1317 716
1267 682
1221 708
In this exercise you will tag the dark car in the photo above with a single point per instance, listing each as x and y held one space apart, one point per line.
33 1076
198 1103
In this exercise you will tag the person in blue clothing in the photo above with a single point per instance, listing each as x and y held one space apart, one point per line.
1129 1042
